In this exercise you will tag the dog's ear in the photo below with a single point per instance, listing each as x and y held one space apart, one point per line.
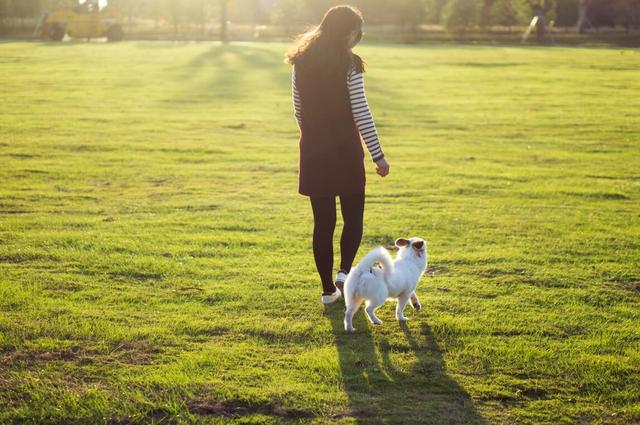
418 244
400 242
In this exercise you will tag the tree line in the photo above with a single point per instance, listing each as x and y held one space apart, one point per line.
410 14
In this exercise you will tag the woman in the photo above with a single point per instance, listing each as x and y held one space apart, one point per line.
332 112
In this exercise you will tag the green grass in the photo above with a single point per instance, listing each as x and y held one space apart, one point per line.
155 256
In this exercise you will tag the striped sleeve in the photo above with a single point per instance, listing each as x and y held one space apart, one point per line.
362 116
297 105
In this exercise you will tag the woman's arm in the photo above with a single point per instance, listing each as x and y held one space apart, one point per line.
362 116
297 105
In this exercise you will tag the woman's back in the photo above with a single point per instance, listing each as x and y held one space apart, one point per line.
326 117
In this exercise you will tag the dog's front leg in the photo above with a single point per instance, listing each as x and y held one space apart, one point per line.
402 303
415 302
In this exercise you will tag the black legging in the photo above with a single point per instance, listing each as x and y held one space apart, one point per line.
324 217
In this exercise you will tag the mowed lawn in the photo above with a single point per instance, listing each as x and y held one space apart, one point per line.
155 256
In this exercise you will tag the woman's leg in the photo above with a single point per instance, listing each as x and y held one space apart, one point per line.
352 207
324 223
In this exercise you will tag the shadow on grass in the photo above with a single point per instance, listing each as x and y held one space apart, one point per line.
380 393
228 66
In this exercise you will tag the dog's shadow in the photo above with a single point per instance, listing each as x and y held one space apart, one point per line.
416 390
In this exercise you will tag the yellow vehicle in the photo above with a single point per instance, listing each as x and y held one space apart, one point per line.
87 20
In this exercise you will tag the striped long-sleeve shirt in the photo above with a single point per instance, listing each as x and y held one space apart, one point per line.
359 107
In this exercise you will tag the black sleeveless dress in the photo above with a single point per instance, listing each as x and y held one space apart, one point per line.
331 154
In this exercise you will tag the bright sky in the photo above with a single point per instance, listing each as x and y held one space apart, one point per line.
103 3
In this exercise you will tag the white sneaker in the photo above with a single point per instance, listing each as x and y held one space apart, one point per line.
341 277
328 299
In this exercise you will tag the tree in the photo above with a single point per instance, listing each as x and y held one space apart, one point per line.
602 13
152 9
597 13
504 13
484 17
374 11
311 11
544 10
286 13
434 9
25 9
566 13
629 13
130 8
409 13
460 15
195 12
583 19
224 30
4 13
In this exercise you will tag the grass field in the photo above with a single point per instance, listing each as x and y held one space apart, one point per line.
155 256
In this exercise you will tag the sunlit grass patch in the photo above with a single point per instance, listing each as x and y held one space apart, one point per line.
156 264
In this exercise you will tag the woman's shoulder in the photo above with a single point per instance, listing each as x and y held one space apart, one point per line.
357 63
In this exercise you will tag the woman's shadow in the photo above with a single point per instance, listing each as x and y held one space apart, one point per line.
416 389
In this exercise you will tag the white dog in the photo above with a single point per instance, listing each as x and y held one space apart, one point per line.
397 280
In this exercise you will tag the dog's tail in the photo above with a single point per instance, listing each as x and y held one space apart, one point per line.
379 254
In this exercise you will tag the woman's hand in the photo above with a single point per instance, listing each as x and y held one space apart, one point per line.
382 167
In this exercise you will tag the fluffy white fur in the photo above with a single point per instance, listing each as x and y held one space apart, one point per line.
396 280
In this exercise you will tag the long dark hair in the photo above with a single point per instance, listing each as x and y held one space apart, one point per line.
327 45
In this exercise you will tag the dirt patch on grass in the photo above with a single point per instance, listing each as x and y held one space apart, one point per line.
23 257
504 399
606 196
17 211
280 337
532 393
155 416
66 354
210 207
237 407
136 275
437 270
17 392
635 287
629 282
134 353
497 272
352 413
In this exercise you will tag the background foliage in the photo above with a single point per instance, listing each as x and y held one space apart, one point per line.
455 14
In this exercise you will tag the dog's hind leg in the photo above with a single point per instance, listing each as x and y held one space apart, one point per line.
350 311
370 309
415 302
402 303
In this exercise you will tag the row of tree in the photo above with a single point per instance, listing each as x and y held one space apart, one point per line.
454 14
482 13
